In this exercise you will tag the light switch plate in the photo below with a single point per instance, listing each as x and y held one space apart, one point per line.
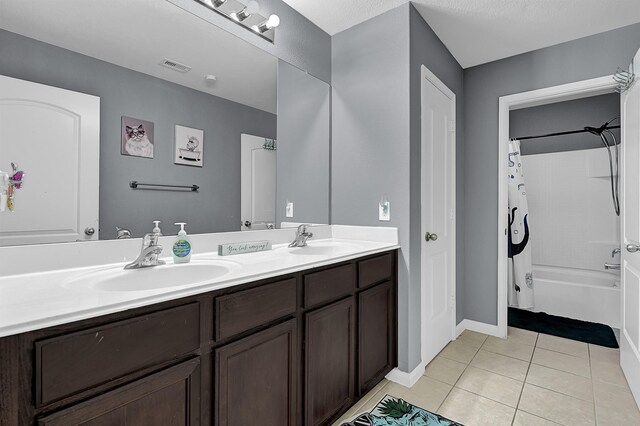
289 209
384 211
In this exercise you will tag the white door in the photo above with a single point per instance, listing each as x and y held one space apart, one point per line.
630 220
258 184
438 215
53 135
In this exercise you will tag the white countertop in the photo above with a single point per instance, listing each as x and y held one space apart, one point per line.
44 298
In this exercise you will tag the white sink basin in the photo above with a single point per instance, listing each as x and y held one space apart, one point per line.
153 278
321 248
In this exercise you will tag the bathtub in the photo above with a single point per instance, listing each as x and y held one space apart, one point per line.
578 293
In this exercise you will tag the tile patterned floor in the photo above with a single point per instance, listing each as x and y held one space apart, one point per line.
528 379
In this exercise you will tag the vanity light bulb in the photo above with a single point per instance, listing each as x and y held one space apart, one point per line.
272 22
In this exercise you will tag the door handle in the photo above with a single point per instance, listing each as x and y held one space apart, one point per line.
89 231
430 237
632 248
247 223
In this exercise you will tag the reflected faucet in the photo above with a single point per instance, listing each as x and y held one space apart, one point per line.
150 251
301 236
122 233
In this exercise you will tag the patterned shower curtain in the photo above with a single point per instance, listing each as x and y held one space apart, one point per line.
520 271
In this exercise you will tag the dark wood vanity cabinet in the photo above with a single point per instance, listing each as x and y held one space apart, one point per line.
292 350
376 335
330 356
255 379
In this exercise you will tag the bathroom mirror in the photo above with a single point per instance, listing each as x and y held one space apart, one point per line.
119 113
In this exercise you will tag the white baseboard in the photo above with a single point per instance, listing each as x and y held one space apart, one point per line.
479 327
406 379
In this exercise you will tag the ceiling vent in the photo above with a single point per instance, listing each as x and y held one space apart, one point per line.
174 65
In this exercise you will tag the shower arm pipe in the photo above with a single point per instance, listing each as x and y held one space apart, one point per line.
571 132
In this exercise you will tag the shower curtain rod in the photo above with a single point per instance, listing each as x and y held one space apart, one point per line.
571 132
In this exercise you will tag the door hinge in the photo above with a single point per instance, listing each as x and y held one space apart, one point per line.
452 214
452 302
452 126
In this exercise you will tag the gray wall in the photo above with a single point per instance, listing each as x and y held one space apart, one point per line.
298 41
303 146
427 49
562 117
216 207
376 140
577 60
370 138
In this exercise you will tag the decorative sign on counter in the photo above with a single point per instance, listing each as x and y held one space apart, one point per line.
240 248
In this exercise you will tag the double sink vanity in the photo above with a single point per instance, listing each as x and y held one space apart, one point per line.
289 336
283 337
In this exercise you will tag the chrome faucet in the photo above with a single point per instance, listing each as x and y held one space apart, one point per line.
122 233
150 250
301 236
613 266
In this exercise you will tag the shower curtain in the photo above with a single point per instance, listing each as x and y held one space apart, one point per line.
520 270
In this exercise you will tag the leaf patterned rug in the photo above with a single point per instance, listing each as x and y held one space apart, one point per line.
392 411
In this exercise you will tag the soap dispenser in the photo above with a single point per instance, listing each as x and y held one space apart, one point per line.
182 246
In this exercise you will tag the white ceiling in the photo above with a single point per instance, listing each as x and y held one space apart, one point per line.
138 34
480 31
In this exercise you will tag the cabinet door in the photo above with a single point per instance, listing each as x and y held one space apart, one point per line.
256 379
329 361
376 335
170 397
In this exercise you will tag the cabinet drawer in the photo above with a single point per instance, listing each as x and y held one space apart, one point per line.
72 363
373 271
170 396
244 310
328 285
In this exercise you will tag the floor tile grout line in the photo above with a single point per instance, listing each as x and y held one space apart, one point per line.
562 371
535 415
563 353
494 372
595 406
458 379
560 393
454 386
523 383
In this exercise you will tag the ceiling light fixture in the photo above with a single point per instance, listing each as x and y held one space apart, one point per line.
272 22
246 14
251 8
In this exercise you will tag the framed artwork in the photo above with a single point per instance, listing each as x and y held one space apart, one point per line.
137 137
188 146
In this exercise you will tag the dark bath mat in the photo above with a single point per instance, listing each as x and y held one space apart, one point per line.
583 331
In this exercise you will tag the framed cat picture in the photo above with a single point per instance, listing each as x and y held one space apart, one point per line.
137 137
189 146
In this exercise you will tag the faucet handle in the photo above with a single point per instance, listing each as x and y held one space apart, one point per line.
614 252
156 228
302 229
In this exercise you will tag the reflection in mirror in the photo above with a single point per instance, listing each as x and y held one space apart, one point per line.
92 98
258 182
